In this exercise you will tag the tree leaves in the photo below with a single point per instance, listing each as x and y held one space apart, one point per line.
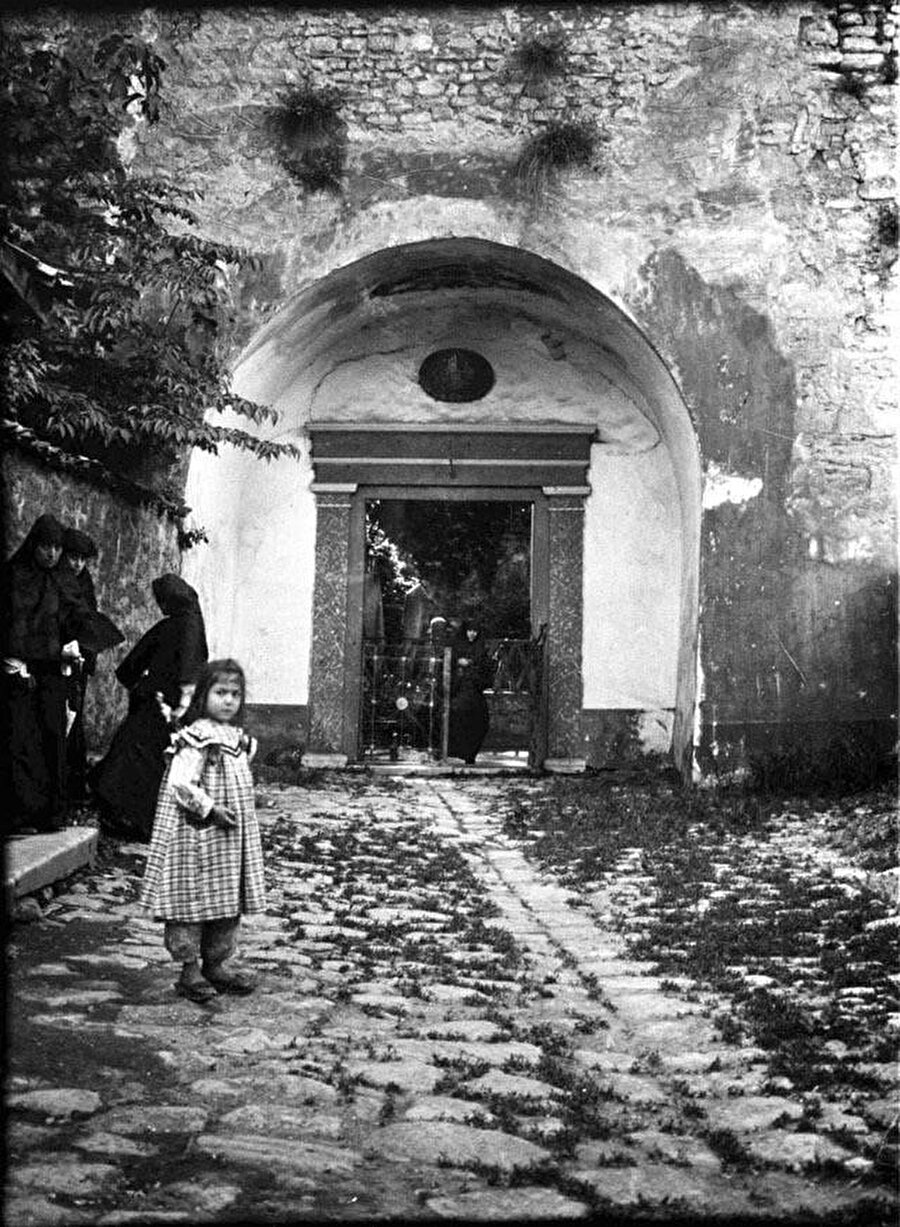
122 315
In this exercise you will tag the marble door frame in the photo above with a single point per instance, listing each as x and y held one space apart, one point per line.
336 654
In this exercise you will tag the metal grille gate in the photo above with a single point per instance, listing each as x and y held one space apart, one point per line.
406 698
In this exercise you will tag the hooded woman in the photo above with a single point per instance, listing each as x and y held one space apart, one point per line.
39 624
78 548
472 674
159 673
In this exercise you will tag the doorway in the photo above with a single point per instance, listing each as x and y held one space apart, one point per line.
436 568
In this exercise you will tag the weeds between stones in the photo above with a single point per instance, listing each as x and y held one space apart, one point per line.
744 889
741 876
730 1149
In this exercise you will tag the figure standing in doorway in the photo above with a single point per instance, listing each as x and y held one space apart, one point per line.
471 676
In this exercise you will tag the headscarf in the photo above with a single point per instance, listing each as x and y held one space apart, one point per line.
174 596
46 530
75 542
34 607
174 650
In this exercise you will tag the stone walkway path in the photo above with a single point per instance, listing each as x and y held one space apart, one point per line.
441 1032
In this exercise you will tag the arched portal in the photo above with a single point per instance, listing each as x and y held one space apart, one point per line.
341 363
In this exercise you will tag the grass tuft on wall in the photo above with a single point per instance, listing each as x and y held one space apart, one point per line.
310 137
561 146
538 59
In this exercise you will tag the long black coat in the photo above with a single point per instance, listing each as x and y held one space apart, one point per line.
170 655
469 714
76 747
39 612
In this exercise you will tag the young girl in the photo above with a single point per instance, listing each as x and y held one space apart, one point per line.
205 864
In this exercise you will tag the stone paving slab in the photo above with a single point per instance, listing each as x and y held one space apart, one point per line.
444 1107
36 1210
457 1145
64 1174
502 1205
653 1186
281 1155
57 1103
415 1076
168 1118
750 1113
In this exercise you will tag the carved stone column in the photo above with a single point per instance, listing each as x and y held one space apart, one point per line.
565 740
327 663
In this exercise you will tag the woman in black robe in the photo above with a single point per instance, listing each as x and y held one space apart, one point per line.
78 549
165 662
472 673
40 613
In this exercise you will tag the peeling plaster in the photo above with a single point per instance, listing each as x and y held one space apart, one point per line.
655 731
699 697
720 487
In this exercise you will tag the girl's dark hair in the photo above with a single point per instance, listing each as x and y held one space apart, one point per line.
212 671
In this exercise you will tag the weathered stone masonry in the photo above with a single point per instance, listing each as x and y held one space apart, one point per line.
741 211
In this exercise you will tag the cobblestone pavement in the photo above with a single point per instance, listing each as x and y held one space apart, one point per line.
441 1032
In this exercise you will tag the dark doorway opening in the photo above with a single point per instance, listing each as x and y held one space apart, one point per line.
433 568
474 558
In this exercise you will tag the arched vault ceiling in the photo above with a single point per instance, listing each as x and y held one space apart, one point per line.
349 346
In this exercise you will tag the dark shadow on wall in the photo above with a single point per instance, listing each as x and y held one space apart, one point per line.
738 386
794 651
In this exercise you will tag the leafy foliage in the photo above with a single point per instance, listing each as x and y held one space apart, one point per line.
120 316
748 901
475 556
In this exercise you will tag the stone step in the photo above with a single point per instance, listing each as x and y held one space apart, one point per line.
35 861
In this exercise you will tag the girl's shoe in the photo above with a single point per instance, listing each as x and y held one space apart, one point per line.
195 990
238 982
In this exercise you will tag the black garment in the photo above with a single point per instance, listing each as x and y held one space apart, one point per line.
39 614
169 656
33 729
76 748
469 715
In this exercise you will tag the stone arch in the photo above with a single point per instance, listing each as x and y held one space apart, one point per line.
347 348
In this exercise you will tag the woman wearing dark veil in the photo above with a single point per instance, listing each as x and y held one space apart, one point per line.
162 668
39 627
472 673
78 549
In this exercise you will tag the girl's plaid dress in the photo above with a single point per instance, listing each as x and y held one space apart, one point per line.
196 873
